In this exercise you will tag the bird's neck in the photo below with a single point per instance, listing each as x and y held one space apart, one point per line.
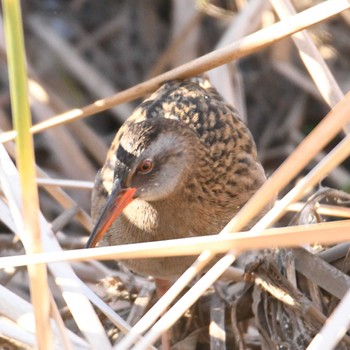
179 215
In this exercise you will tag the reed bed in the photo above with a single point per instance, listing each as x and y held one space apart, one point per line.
284 65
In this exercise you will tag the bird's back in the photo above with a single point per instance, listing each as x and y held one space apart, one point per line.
196 103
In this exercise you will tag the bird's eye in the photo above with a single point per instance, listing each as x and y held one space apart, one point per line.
145 166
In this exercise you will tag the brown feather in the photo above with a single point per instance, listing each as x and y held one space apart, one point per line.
221 171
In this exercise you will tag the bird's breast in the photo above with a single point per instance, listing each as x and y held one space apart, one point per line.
146 222
142 215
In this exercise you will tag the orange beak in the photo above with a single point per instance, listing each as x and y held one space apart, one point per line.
117 201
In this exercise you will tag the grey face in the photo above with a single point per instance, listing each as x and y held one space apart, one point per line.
157 170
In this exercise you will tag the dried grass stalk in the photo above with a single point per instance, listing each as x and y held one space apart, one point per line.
313 60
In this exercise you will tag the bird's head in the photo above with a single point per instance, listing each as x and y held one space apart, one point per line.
153 159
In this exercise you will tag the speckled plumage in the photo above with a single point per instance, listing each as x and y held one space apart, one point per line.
218 172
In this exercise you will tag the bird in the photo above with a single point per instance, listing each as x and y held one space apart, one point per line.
182 165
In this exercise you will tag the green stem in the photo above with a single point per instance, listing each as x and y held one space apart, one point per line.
26 165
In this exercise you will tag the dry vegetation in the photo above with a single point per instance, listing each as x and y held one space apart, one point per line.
81 51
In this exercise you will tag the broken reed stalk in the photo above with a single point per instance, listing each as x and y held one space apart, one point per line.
40 294
238 49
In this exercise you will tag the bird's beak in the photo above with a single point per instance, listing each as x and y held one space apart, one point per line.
116 202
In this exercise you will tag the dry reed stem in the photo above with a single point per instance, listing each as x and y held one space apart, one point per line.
141 303
61 330
335 327
323 209
217 323
173 46
320 274
313 60
278 237
163 303
321 170
339 175
108 312
47 182
21 313
183 14
58 194
243 24
67 202
71 286
16 335
38 276
238 49
336 252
